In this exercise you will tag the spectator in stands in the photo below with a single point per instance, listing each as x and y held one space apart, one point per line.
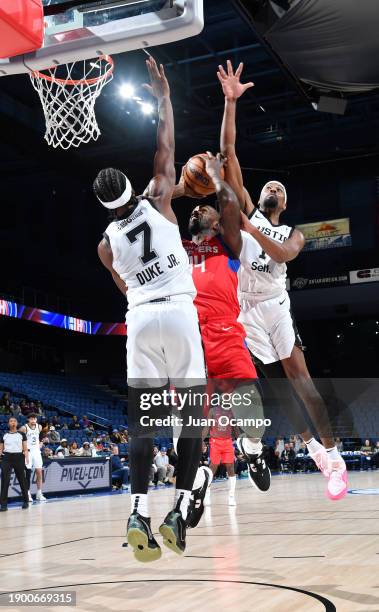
84 422
90 429
54 436
339 445
98 445
366 455
116 436
301 464
287 459
204 459
24 407
375 459
33 408
119 469
56 422
74 423
15 410
74 450
45 427
241 465
47 453
86 450
5 404
63 448
165 470
39 407
124 434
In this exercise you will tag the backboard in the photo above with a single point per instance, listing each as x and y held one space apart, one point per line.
84 29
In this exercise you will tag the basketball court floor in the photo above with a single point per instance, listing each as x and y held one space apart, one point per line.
290 549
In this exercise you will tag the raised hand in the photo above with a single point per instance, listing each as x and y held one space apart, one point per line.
230 81
213 165
159 87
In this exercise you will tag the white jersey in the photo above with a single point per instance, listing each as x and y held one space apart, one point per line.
149 256
32 437
260 277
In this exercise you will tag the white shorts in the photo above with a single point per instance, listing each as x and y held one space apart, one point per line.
271 331
35 459
164 344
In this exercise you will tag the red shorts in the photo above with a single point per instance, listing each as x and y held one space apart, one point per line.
226 352
222 451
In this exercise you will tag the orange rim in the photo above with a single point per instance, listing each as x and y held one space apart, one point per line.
71 82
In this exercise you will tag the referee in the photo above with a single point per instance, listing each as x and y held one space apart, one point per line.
14 450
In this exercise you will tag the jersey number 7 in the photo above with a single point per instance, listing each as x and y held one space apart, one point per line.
148 253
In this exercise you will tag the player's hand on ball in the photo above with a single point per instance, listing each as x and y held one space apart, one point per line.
159 87
213 165
230 81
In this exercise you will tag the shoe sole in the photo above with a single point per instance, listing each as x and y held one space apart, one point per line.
169 539
206 485
139 541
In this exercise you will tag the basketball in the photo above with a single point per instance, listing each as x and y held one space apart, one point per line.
196 177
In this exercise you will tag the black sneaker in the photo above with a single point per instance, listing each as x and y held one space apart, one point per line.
141 539
173 530
259 472
3 508
196 505
25 506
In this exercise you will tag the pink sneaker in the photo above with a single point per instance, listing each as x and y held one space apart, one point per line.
321 460
337 485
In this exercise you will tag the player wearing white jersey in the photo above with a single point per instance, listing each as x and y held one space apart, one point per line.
142 249
32 431
265 305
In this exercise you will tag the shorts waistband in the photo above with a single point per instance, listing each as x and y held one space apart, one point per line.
216 319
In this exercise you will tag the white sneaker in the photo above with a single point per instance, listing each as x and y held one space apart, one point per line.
124 487
30 497
40 496
232 500
160 482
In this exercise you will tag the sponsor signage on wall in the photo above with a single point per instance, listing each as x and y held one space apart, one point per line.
368 275
326 234
69 475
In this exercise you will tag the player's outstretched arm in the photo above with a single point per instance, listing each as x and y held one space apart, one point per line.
161 186
106 257
281 253
229 207
232 89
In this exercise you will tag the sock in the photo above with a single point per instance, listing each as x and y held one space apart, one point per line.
333 453
232 485
313 446
181 501
252 448
139 502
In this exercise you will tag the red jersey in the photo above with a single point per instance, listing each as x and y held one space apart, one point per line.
214 272
221 428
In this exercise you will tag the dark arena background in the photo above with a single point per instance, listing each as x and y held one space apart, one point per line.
312 122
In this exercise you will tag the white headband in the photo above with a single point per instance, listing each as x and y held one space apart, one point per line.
276 183
123 199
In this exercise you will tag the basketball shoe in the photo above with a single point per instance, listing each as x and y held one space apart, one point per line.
200 489
141 539
259 472
335 471
173 530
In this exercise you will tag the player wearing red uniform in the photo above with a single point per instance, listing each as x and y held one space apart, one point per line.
217 243
221 448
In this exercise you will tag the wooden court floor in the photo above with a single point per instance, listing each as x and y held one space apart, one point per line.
288 550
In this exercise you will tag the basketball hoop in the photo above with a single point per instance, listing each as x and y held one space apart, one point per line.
69 103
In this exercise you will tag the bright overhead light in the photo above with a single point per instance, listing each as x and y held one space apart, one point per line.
147 108
126 90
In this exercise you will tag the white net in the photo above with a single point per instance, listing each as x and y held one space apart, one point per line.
68 94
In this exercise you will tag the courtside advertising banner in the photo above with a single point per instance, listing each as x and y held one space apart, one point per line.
326 234
67 475
369 275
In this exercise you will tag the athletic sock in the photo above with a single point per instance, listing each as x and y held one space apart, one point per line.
139 503
252 448
313 446
181 501
333 453
232 485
